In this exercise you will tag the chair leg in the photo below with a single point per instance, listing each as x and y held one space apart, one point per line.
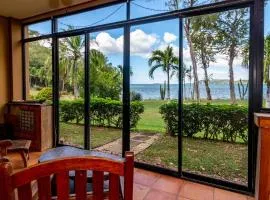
24 158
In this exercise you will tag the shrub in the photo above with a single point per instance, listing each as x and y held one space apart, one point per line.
218 122
135 96
103 112
72 110
45 94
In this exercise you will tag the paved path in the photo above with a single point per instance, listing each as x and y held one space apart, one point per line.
138 141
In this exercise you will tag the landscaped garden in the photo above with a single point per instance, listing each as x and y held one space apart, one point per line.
213 155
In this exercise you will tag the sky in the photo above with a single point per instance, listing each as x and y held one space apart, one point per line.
144 39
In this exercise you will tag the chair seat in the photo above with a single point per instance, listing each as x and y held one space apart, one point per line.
19 145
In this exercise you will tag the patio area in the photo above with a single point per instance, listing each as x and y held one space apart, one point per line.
153 186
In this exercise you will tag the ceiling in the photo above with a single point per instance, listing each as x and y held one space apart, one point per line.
21 9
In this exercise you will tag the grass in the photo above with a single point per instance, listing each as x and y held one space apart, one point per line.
74 134
211 158
151 120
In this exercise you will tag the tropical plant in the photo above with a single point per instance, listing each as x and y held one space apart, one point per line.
166 61
232 34
105 79
135 96
162 91
74 45
242 89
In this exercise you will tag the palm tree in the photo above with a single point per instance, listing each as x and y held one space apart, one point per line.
75 45
165 60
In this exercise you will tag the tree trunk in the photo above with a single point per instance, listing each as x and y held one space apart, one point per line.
206 82
168 85
231 75
193 60
75 84
205 65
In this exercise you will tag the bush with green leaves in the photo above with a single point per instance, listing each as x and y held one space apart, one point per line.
45 94
103 112
135 96
218 122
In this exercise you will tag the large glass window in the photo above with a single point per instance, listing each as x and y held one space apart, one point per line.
153 83
189 85
96 17
215 92
106 78
71 90
38 29
39 70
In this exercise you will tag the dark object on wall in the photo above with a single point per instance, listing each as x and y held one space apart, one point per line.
30 121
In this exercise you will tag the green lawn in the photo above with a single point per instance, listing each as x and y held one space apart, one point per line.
151 120
211 158
74 134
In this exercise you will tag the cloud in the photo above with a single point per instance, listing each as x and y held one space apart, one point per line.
141 44
169 37
106 43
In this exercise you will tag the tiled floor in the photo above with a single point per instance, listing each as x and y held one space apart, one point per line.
153 186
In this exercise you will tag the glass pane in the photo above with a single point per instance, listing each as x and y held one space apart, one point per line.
106 77
96 17
215 92
154 83
143 8
71 90
266 80
39 70
38 29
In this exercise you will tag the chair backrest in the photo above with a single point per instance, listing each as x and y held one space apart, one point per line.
42 174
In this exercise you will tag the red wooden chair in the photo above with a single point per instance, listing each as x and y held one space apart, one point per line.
60 168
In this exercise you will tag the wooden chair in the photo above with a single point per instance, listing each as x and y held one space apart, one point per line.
20 146
59 168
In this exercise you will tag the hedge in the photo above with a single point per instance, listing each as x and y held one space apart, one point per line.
103 112
217 122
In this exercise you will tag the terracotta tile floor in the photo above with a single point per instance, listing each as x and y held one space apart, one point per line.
153 186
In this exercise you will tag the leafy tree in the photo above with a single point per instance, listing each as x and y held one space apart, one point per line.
105 79
40 66
204 45
165 60
232 34
174 5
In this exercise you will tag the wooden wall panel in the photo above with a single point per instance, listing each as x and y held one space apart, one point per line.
4 66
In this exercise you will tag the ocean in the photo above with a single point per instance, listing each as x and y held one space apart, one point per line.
218 90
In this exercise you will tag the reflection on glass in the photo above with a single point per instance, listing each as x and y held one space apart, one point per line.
39 70
266 82
71 90
215 91
38 29
95 17
106 77
154 83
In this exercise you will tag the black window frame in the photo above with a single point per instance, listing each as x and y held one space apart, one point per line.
255 75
